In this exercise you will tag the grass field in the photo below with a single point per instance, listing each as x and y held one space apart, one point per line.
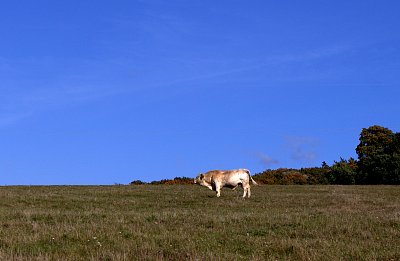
190 223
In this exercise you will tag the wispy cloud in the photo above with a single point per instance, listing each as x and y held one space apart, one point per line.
33 85
12 118
276 66
17 105
266 160
302 148
313 54
26 91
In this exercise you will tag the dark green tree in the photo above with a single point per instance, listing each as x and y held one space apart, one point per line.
344 172
393 176
375 155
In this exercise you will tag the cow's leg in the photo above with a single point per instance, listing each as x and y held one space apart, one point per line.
246 190
218 192
218 189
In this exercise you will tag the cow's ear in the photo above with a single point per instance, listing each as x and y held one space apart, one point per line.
201 176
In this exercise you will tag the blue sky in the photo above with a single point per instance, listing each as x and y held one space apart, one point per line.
104 92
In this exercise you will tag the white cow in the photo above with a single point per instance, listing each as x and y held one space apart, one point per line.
217 179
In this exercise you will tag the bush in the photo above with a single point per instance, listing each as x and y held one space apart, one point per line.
294 178
175 181
281 177
137 182
317 175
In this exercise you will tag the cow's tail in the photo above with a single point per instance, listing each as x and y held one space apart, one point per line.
252 180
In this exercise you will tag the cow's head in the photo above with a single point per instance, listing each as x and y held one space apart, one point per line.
199 179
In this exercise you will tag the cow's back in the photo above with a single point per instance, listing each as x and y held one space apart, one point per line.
213 174
236 176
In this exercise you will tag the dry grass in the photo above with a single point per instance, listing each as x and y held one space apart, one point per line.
189 223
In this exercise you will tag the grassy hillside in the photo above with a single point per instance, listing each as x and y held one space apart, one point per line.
188 223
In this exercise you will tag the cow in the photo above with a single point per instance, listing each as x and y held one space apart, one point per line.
217 179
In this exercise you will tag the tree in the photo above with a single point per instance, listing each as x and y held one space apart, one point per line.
375 154
318 175
393 176
344 172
